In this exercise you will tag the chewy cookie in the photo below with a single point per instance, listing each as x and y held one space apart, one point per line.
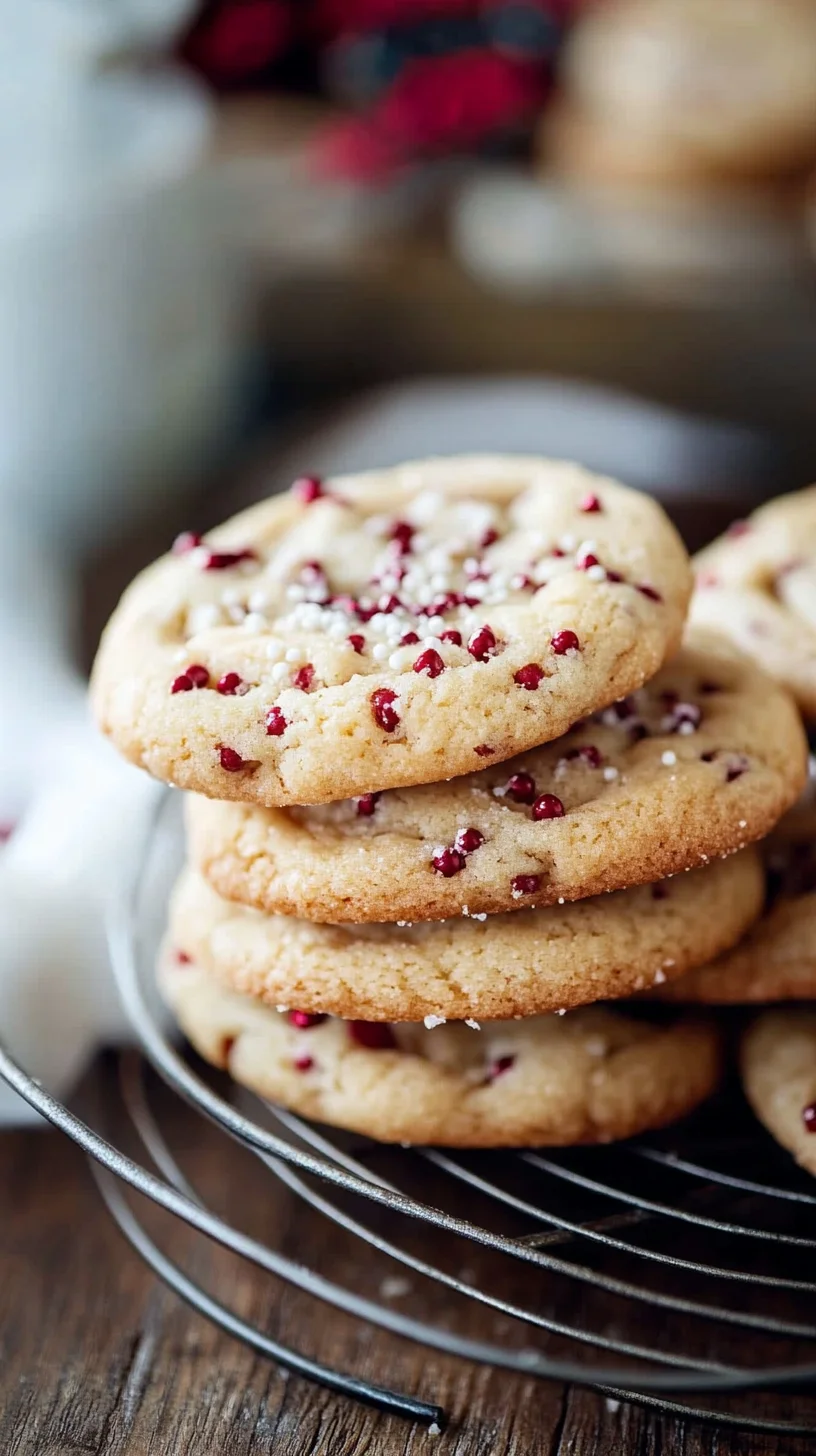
590 1076
700 761
494 967
757 584
391 628
686 91
778 1067
776 961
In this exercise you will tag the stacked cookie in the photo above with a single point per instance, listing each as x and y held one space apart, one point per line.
757 585
447 759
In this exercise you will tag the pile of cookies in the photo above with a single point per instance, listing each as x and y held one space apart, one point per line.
459 786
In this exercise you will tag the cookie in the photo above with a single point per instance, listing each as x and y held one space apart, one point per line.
591 1076
396 627
778 1067
498 966
700 761
757 584
776 961
688 91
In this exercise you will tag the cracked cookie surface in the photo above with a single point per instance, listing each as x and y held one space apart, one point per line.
702 760
391 628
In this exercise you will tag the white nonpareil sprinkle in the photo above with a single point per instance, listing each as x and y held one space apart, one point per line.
610 773
596 573
381 652
668 758
474 1025
294 654
281 1010
432 1021
274 648
743 824
280 672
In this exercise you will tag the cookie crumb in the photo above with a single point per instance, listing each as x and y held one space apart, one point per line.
395 1286
433 1021
434 1429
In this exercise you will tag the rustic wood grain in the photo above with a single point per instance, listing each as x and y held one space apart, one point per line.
100 1360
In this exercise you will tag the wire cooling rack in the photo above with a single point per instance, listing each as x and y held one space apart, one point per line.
637 1269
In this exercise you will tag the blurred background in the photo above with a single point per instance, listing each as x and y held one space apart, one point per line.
246 239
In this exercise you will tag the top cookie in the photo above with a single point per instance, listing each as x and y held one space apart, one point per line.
757 583
391 628
700 761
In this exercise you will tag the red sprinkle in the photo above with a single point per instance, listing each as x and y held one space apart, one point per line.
482 643
501 1064
408 639
403 533
649 591
357 641
181 684
590 504
809 1117
376 1036
182 958
586 560
430 662
304 1019
382 706
565 641
229 685
684 715
448 862
452 636
484 750
198 675
304 677
529 677
520 787
187 541
548 806
231 760
276 722
587 753
222 560
308 488
388 604
525 884
468 840
489 538
303 1064
366 804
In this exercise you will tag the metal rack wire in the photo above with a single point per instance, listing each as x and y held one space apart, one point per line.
636 1269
